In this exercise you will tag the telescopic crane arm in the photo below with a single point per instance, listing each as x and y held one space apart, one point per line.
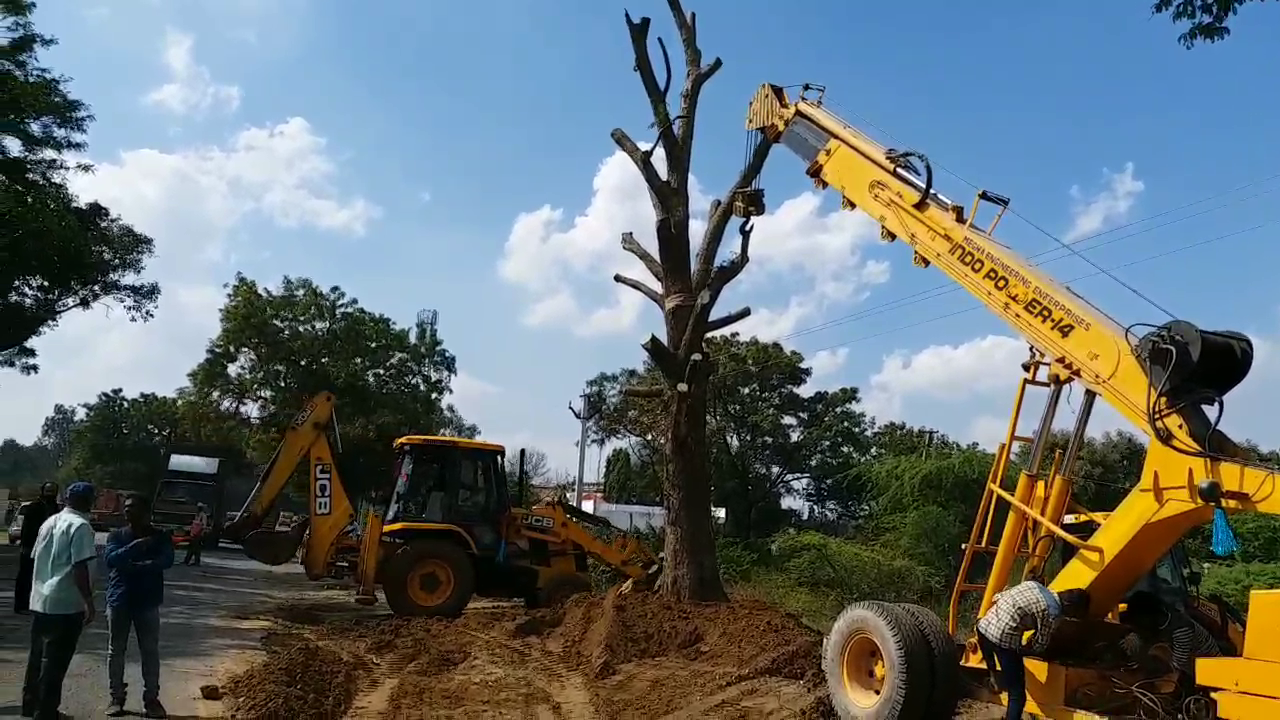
1159 382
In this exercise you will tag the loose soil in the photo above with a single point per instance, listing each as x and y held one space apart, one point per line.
613 657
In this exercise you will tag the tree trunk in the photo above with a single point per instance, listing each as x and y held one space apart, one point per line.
690 571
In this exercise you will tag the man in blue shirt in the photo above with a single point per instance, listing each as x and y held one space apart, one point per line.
137 556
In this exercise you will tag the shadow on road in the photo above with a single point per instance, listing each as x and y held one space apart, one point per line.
198 601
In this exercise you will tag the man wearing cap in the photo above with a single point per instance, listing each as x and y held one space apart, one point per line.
61 601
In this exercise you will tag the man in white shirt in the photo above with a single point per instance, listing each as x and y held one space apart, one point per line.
61 601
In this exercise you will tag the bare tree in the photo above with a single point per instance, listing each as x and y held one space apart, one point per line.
689 289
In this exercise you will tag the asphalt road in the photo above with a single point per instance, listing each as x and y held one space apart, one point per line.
204 631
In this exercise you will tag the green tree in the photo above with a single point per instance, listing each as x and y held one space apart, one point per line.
1205 20
687 292
767 437
56 432
1106 468
276 348
24 466
120 442
631 478
56 255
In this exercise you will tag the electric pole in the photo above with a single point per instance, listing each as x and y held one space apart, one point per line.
584 416
928 442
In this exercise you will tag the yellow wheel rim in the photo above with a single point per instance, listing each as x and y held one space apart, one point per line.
431 583
862 669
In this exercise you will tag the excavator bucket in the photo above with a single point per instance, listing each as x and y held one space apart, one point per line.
274 547
648 581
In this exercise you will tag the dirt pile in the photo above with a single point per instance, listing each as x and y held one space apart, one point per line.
298 677
615 657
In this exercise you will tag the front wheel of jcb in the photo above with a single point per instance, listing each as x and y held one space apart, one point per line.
877 664
429 578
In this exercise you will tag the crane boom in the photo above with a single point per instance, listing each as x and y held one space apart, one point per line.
1159 382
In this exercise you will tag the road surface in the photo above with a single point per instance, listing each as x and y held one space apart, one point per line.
203 632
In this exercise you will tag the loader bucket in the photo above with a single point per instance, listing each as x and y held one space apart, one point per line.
274 547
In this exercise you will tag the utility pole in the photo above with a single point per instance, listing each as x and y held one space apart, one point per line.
928 442
584 416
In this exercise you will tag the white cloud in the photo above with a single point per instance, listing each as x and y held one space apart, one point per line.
827 362
467 388
193 202
190 89
945 373
557 265
1106 208
967 391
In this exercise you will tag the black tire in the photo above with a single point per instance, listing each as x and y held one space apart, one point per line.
406 567
558 591
885 631
944 691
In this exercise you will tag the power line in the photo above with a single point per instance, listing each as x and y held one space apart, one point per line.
1131 263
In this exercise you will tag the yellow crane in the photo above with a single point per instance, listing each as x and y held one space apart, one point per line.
446 532
885 661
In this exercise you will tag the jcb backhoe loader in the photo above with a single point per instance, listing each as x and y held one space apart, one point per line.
886 661
446 532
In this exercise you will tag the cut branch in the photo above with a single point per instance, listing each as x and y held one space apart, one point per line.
659 191
644 392
663 359
645 290
722 211
633 246
725 321
639 31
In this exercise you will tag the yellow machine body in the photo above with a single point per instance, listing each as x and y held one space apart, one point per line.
1191 467
446 532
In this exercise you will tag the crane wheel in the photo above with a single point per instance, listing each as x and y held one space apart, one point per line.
877 664
558 591
944 690
429 578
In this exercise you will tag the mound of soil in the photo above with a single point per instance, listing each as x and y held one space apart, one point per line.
298 678
753 638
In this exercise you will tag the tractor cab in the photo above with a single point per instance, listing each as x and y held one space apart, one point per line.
1175 578
450 482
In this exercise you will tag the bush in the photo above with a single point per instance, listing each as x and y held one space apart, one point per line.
816 575
1233 582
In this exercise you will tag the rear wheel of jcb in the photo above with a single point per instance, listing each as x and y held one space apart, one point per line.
429 578
944 690
876 662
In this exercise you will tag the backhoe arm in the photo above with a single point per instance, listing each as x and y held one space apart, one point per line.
1159 382
621 551
307 427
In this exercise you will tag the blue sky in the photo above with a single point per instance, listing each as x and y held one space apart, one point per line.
457 157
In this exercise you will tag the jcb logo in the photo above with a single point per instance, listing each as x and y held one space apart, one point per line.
301 418
539 521
323 493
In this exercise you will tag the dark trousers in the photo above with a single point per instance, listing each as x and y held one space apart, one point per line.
53 644
145 623
22 584
1007 667
194 546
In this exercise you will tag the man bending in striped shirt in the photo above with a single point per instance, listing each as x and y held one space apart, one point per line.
1155 622
1028 606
